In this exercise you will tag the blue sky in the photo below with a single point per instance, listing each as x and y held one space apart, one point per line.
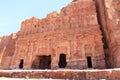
13 12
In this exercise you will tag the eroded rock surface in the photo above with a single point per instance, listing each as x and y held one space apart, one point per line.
69 39
109 17
109 74
85 34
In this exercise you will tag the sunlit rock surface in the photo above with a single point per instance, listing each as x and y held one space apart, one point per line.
85 34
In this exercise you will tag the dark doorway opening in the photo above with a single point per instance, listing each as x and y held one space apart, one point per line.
62 61
21 63
45 62
89 62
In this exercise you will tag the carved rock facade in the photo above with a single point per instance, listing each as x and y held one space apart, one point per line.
71 39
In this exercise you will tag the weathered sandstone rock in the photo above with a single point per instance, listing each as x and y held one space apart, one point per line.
85 34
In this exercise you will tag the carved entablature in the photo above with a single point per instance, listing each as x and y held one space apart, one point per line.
75 15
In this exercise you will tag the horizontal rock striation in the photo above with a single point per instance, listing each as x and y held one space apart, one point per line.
85 34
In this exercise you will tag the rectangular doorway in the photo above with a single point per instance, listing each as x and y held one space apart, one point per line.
21 64
45 62
89 62
62 61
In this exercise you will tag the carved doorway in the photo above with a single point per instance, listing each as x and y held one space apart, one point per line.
21 64
62 61
45 62
89 62
42 62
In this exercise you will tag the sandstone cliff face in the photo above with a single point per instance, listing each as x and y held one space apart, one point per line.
112 10
83 35
109 13
7 48
73 33
73 16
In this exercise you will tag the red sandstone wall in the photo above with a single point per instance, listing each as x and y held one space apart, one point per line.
75 32
109 13
7 48
73 16
112 9
113 74
80 20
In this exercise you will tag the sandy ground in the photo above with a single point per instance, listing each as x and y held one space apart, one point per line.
3 78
